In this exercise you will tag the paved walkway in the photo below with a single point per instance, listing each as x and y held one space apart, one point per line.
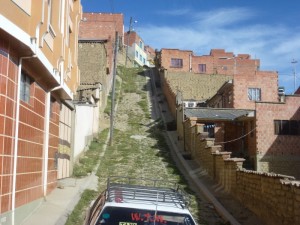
54 210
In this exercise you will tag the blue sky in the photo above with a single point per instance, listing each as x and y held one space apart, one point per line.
266 29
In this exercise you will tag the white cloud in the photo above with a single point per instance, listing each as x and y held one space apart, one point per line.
223 16
230 29
174 12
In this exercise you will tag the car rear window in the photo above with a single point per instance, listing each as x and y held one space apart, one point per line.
130 216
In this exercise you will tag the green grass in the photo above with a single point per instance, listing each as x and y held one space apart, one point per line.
88 161
77 216
145 157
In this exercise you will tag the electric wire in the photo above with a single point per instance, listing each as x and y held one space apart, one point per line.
236 139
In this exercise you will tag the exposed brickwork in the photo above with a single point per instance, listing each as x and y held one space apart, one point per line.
266 81
134 38
274 198
277 153
167 55
217 62
103 26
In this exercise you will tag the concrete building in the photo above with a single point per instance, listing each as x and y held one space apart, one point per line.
136 53
38 75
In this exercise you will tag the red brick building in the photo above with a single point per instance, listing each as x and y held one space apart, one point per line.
217 62
269 138
136 51
103 26
277 133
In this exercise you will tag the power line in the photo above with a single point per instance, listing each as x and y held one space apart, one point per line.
236 138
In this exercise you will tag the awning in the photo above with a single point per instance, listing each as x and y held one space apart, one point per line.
216 114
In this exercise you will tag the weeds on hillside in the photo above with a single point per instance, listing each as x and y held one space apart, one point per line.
78 213
141 151
89 159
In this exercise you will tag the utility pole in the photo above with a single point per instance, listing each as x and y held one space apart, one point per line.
294 63
128 36
112 111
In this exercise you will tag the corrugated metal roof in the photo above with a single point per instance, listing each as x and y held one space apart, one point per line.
218 114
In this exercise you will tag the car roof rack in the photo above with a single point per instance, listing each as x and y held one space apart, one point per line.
129 190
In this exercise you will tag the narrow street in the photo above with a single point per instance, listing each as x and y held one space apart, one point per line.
139 148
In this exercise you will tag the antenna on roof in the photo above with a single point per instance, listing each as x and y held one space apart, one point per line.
294 69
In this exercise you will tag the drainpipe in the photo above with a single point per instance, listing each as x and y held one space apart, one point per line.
46 141
46 135
15 159
190 58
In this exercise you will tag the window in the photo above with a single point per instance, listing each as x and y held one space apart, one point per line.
287 127
141 58
210 129
50 11
254 94
136 54
25 88
176 63
51 109
190 104
141 44
202 68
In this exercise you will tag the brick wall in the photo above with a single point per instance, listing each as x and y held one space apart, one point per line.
274 198
217 62
266 81
167 55
103 26
207 60
277 153
169 95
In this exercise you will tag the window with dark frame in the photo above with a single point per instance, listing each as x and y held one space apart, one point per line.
287 127
210 129
25 87
176 63
202 68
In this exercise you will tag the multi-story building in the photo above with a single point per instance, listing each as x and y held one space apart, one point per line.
150 55
248 115
135 49
217 62
38 74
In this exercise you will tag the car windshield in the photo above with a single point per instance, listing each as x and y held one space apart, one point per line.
129 216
